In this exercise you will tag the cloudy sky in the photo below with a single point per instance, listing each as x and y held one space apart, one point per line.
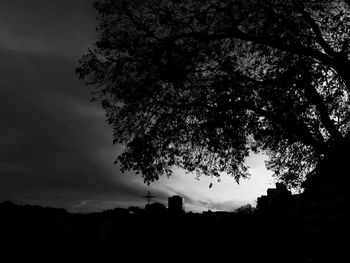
55 146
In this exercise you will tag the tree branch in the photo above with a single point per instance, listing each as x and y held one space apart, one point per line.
314 98
319 37
292 127
274 43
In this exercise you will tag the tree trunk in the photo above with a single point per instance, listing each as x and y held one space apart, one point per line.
342 66
330 194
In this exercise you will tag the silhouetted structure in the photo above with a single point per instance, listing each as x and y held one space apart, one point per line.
276 201
129 226
319 215
324 210
148 197
175 204
156 208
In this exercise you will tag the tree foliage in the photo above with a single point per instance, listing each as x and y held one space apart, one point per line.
201 84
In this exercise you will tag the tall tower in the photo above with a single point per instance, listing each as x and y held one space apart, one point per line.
175 204
148 197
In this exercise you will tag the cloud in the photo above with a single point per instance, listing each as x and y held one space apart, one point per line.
53 141
55 26
55 147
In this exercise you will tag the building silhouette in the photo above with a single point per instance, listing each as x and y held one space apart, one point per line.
175 204
277 200
320 215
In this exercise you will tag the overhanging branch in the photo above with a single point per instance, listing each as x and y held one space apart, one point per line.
291 126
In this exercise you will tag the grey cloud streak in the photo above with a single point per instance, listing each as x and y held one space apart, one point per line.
51 135
55 147
56 26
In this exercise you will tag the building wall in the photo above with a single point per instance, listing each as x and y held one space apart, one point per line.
175 204
321 214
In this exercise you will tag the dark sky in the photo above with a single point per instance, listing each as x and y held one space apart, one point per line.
55 147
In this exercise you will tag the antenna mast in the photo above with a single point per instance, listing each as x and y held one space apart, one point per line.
148 197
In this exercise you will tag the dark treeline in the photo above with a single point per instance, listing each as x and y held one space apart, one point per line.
240 236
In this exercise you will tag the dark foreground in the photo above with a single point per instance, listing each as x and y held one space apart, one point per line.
154 236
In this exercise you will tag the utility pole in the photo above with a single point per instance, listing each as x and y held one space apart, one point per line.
148 197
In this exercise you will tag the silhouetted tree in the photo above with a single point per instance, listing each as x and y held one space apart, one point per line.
245 210
201 83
